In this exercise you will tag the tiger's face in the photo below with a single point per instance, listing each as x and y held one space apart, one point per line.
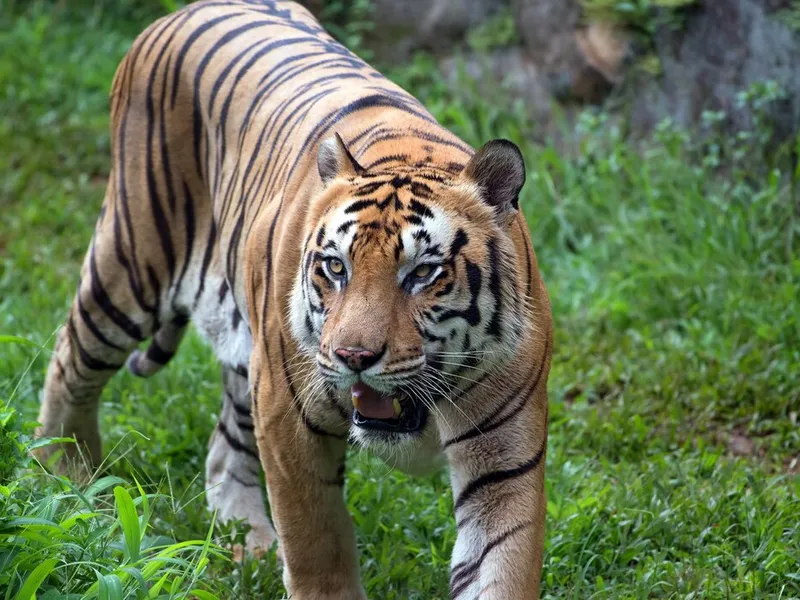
406 289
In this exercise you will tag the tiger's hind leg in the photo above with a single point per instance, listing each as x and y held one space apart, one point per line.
233 469
104 324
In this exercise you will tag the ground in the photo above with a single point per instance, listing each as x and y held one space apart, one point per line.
674 271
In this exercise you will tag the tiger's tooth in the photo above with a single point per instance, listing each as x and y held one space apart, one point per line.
355 401
397 408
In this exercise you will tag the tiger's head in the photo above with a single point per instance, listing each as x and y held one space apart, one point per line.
407 288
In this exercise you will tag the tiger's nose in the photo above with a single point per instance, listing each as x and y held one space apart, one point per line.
358 359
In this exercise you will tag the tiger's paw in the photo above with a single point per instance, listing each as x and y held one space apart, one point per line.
72 459
259 541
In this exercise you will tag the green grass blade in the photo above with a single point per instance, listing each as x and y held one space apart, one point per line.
102 484
202 595
145 505
15 339
35 579
129 521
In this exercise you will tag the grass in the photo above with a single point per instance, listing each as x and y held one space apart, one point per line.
674 271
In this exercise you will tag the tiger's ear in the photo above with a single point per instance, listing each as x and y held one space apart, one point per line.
334 160
498 169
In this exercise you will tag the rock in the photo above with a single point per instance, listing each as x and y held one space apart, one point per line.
509 69
719 49
581 62
436 25
547 29
740 445
722 48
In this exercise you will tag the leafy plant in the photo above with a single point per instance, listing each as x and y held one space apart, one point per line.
643 16
498 31
791 15
349 21
60 540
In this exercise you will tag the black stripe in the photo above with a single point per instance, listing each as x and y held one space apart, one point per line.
162 130
360 205
165 27
73 398
243 411
157 354
401 158
210 243
95 364
104 302
528 252
242 482
234 443
380 100
155 288
223 40
499 476
463 574
365 132
345 227
337 481
493 326
131 266
523 391
90 324
223 74
313 427
189 223
420 209
472 314
223 290
388 134
369 188
185 50
233 251
245 426
459 241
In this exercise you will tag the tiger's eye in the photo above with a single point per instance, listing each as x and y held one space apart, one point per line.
336 266
423 271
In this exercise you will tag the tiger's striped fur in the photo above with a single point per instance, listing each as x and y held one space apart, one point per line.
229 191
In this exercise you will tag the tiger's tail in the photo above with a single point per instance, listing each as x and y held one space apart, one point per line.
163 346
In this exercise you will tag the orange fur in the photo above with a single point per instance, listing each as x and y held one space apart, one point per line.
224 176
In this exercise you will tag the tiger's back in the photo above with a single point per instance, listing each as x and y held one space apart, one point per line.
220 113
227 102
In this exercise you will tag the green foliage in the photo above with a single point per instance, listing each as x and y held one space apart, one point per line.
12 443
639 15
56 538
61 540
498 31
791 15
349 21
674 274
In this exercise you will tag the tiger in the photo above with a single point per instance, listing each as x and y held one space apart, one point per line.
364 277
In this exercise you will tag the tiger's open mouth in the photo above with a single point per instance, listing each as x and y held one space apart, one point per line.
394 413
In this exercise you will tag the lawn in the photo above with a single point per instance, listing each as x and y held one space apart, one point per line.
674 269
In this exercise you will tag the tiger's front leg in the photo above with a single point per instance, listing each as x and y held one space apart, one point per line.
304 462
498 486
